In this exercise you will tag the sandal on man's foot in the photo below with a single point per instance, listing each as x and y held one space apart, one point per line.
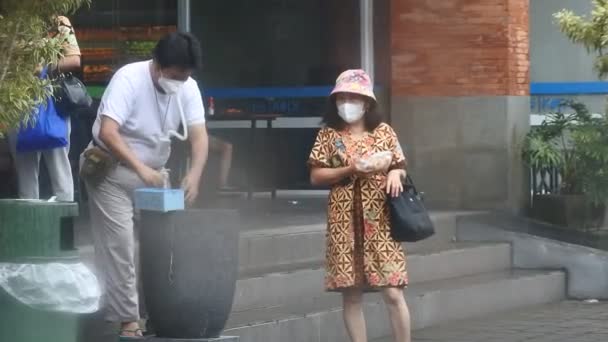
131 335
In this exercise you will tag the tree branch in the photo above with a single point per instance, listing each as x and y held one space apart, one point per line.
11 48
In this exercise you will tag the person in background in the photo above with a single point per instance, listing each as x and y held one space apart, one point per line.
139 111
361 254
7 172
57 161
224 149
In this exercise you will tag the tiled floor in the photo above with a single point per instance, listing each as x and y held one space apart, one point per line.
561 322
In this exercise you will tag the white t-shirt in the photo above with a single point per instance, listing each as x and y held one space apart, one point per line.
146 115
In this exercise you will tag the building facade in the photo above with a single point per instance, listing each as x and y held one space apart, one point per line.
567 74
452 76
458 79
460 98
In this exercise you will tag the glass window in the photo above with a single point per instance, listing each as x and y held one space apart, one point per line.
112 33
278 56
259 56
270 43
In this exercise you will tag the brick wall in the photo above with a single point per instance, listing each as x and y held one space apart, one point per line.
459 47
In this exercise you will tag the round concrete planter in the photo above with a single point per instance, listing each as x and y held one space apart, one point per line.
189 270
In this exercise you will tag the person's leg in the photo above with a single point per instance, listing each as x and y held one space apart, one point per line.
7 170
225 150
225 164
60 171
353 315
399 313
27 167
111 209
143 310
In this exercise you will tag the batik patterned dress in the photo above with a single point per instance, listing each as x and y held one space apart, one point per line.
360 251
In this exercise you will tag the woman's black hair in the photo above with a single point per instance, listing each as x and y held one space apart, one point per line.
178 49
372 118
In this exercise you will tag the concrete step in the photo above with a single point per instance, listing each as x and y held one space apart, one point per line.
319 319
267 248
290 246
273 287
445 232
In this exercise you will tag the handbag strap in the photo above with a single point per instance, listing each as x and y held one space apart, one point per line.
409 184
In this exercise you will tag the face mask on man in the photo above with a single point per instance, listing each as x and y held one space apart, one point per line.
170 86
351 110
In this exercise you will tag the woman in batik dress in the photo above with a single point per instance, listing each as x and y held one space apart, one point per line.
361 256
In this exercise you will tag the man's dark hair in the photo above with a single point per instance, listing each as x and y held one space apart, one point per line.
178 49
331 119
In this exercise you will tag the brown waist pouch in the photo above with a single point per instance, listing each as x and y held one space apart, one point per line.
96 165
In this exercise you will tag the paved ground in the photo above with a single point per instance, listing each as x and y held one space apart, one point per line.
563 322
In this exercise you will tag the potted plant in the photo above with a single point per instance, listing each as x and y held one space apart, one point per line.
590 138
573 144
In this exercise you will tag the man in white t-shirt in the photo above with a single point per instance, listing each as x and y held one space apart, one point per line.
141 109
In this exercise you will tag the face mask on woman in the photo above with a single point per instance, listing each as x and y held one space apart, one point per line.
351 110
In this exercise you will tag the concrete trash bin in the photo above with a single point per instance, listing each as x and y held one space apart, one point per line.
20 323
43 285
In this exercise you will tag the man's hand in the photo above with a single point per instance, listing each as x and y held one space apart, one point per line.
199 142
151 177
190 184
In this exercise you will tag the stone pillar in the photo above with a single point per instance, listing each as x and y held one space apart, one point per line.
460 104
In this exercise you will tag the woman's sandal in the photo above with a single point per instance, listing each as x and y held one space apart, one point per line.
137 335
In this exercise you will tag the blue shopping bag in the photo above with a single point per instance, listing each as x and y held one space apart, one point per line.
49 130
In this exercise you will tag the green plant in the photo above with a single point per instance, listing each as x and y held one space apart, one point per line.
591 141
550 145
591 33
24 45
575 142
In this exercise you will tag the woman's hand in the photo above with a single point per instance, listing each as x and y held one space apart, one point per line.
371 165
331 175
356 168
38 69
394 183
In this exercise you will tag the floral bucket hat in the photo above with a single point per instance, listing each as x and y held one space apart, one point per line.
354 81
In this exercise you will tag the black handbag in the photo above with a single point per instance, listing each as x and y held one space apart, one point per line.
410 222
71 95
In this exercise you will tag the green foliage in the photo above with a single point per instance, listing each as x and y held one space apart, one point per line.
586 170
24 45
591 141
550 145
591 32
576 143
